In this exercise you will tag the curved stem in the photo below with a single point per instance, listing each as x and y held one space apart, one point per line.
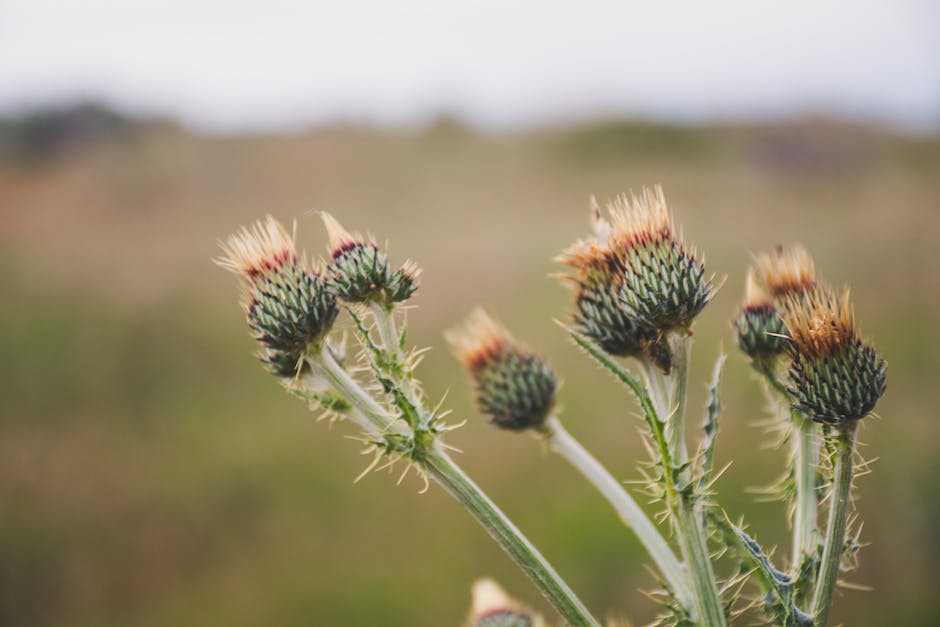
630 513
686 515
443 470
835 528
324 362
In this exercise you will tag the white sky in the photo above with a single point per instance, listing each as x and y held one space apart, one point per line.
227 65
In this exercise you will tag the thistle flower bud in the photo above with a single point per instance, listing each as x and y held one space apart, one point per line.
514 387
599 312
759 332
833 376
492 607
635 280
290 309
287 305
360 272
665 284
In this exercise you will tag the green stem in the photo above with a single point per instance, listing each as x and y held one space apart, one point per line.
687 515
391 343
385 323
443 470
323 362
695 551
439 466
835 528
656 387
689 518
681 347
806 458
630 513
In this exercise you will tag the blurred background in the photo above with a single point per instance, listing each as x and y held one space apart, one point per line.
152 474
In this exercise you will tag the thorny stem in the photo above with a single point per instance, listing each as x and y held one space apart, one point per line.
440 467
630 513
324 362
804 445
391 341
385 323
777 587
443 470
695 551
686 512
835 528
806 458
689 518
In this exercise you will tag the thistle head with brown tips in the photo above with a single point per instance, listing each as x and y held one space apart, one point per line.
599 313
635 280
360 273
286 303
514 387
834 376
665 285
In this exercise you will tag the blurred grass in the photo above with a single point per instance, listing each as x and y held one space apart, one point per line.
151 474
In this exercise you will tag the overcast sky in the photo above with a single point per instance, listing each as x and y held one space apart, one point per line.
228 65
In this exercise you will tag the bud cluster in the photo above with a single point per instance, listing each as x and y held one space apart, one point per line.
834 376
514 387
635 280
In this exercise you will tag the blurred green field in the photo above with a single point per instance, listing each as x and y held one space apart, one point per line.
152 474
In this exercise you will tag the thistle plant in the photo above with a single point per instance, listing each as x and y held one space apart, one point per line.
638 288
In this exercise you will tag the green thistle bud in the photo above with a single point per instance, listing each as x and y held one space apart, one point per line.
599 313
514 387
403 283
759 332
833 376
492 607
287 305
290 309
665 285
635 280
360 272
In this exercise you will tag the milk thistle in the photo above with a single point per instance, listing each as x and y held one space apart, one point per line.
638 289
